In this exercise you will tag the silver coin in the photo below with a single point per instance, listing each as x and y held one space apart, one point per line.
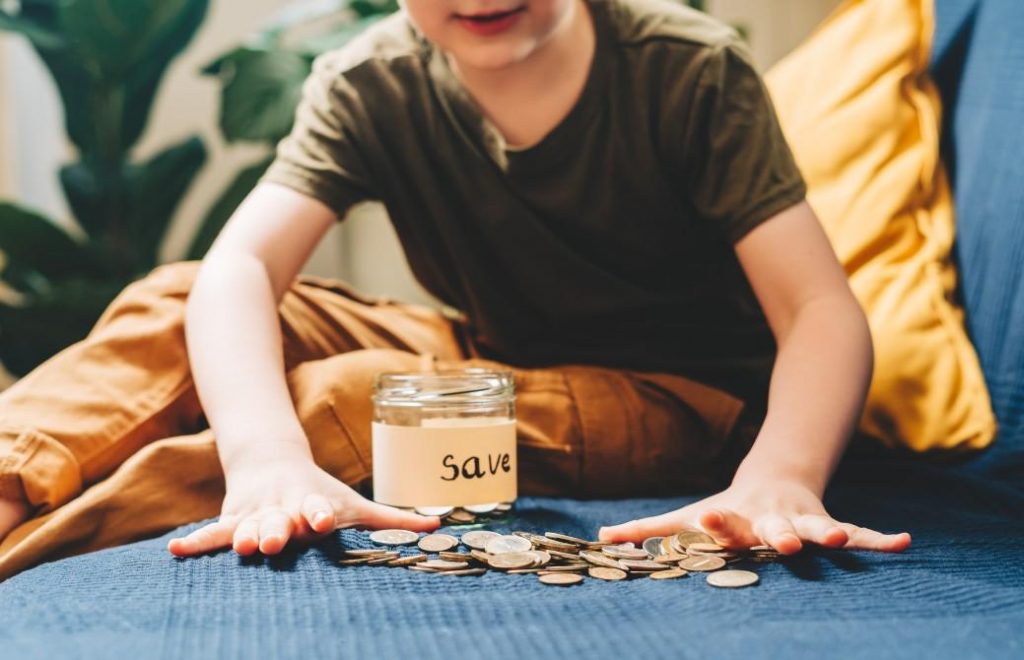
653 545
624 552
507 544
440 511
732 579
481 508
394 537
437 543
478 539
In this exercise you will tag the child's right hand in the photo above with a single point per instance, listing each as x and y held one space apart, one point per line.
268 505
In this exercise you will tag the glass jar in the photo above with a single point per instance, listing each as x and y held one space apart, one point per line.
444 438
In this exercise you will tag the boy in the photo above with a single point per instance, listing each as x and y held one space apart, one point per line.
602 187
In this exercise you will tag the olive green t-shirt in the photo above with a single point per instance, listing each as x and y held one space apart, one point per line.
611 241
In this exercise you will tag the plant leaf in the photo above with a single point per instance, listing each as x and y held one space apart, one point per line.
45 324
221 211
155 190
261 91
33 244
40 36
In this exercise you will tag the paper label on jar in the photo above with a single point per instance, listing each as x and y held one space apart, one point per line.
454 465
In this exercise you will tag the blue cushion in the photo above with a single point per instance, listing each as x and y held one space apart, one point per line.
979 64
959 592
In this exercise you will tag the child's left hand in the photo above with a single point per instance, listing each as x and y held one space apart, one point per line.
782 514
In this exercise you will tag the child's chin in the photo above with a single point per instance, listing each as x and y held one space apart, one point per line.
492 57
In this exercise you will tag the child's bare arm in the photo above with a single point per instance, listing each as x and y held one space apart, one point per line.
274 489
819 382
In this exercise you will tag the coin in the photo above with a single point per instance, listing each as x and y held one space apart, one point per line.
383 559
365 552
688 536
732 579
444 565
461 517
653 545
704 547
437 542
465 572
394 537
481 508
565 538
702 564
507 544
503 507
561 579
478 539
480 556
643 565
558 554
407 561
672 558
623 552
355 561
440 511
604 573
540 557
670 574
455 556
599 559
507 560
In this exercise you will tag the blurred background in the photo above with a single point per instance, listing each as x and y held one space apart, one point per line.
130 130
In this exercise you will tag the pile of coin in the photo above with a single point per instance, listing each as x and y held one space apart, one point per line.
464 515
562 560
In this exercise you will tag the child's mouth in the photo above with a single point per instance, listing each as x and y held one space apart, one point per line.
492 23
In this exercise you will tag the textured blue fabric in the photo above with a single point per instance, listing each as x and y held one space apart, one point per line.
979 63
958 593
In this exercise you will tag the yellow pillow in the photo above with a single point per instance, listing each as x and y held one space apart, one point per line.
863 119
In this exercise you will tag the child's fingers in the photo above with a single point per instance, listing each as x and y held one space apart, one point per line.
728 528
378 516
212 537
276 528
862 538
247 537
319 513
821 530
778 532
644 528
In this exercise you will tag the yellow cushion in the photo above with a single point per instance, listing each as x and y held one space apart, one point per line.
863 118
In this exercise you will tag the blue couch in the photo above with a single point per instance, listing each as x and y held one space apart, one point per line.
958 593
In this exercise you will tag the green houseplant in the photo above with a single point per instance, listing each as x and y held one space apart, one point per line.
107 58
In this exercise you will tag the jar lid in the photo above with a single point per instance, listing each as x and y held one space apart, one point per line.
450 387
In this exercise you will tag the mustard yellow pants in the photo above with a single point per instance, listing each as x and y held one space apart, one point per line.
108 443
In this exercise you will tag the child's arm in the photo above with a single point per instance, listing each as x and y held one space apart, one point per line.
274 489
819 382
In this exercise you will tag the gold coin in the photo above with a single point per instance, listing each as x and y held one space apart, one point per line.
407 561
480 556
540 557
670 574
643 565
666 546
702 564
508 560
704 547
610 574
599 559
565 538
365 552
478 539
355 561
461 517
671 558
567 556
465 571
443 565
732 579
394 537
437 542
455 556
561 579
552 544
689 536
383 559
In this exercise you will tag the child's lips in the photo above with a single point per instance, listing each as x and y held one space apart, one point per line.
490 23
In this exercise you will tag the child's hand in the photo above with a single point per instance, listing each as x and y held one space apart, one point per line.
268 505
782 514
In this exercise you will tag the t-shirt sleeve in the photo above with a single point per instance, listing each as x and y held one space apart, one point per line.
736 165
321 157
